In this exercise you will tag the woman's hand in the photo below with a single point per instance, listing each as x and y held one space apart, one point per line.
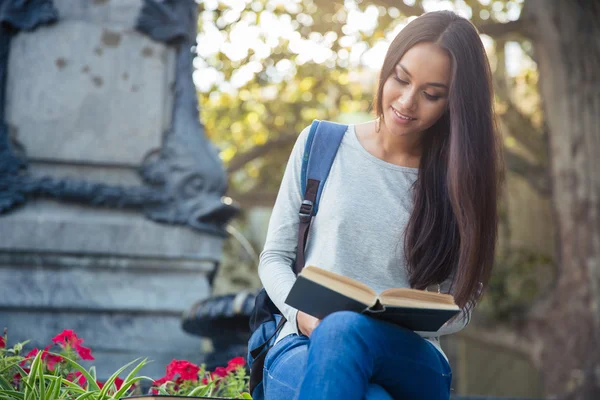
306 323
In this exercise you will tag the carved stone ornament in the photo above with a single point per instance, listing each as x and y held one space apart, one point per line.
185 181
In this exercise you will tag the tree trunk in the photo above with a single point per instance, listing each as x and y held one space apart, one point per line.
567 49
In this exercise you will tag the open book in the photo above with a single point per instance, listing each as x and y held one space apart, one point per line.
319 293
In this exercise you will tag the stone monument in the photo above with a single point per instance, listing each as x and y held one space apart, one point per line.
112 207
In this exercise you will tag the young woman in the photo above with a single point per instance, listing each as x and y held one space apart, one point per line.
410 202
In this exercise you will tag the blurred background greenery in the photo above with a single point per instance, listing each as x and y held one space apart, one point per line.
265 69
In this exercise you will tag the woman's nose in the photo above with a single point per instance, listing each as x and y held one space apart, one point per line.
408 101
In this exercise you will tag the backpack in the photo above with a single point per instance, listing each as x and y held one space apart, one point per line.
266 321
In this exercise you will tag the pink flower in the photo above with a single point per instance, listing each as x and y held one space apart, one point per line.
186 370
67 338
179 381
118 383
29 356
17 377
84 352
234 363
220 372
77 377
51 359
160 381
2 342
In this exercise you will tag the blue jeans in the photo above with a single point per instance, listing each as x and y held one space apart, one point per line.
353 356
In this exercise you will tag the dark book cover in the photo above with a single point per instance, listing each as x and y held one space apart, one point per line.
320 301
415 319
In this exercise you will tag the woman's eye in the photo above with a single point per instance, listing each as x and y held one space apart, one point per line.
401 81
430 96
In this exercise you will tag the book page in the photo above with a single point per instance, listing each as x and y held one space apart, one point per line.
417 298
341 284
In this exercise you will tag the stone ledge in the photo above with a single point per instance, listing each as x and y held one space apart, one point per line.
48 226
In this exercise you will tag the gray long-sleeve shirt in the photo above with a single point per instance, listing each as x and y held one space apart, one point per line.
358 231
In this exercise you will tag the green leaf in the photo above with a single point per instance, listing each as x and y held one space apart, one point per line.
113 377
54 388
30 380
124 388
93 372
87 395
9 366
4 384
131 379
201 391
92 385
4 394
162 389
39 374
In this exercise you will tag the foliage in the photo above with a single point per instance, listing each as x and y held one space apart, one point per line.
520 277
182 378
271 90
259 86
44 375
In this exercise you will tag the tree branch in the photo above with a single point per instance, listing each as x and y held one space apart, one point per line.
242 159
519 125
536 175
496 30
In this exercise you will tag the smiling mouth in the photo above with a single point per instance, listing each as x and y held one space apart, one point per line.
400 115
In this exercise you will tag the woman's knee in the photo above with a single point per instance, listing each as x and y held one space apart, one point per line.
284 367
341 330
341 322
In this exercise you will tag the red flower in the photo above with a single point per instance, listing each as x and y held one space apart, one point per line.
160 381
67 338
220 372
77 377
50 359
234 363
118 383
17 377
2 342
29 356
186 370
84 352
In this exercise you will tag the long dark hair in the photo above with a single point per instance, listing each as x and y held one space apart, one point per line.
453 227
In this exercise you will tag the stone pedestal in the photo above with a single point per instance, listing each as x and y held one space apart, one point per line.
119 280
113 226
90 88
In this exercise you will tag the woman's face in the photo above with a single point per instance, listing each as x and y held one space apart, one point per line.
415 95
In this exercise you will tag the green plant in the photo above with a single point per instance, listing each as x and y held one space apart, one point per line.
46 375
183 378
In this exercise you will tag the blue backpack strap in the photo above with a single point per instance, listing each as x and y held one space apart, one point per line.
322 145
306 155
